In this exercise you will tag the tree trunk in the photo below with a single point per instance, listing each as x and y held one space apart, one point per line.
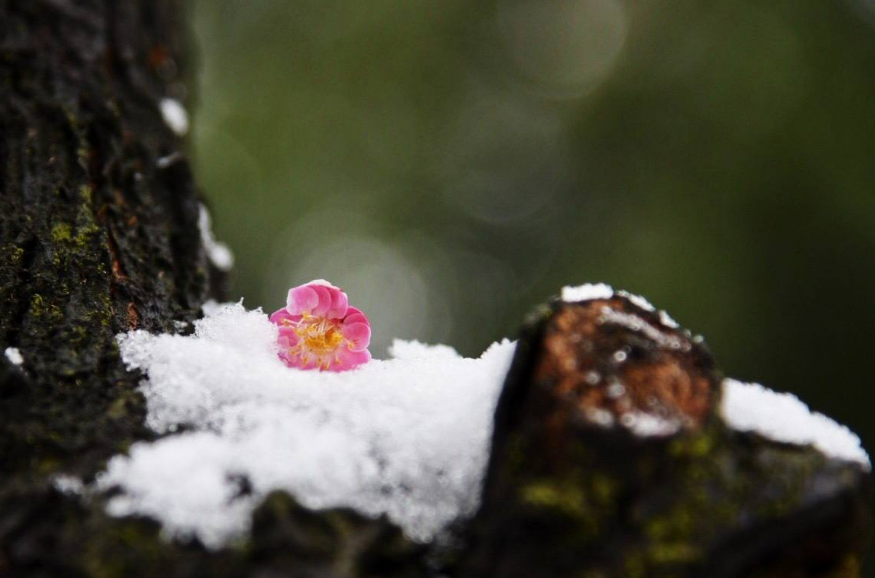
98 220
98 235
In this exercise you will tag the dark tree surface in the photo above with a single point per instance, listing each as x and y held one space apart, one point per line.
574 490
99 235
95 238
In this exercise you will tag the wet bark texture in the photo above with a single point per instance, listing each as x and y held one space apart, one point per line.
610 460
99 235
95 236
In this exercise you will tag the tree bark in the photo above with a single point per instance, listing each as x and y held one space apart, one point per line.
574 488
97 234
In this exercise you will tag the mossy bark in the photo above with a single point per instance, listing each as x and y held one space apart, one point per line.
609 460
96 235
99 235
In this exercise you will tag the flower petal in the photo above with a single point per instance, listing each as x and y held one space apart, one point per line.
302 299
357 334
354 315
347 359
293 361
288 337
339 304
283 318
286 342
325 299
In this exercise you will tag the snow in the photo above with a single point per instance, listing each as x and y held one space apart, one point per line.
636 323
784 418
68 484
14 355
401 349
666 320
586 292
591 291
175 115
169 160
218 253
408 436
637 300
646 425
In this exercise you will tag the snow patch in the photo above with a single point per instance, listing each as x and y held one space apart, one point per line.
175 116
169 160
783 417
70 485
13 354
401 349
646 425
666 320
218 253
407 437
586 292
591 291
637 300
637 324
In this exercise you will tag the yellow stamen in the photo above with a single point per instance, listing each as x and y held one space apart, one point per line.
319 339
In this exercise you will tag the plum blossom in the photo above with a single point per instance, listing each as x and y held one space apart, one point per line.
318 329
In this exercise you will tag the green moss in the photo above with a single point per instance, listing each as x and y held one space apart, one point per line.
48 466
12 253
604 489
546 493
118 409
697 445
635 566
62 232
585 499
86 193
673 553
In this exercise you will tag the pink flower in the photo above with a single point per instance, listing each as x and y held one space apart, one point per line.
319 330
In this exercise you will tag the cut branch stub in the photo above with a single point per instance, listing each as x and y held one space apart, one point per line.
610 362
610 459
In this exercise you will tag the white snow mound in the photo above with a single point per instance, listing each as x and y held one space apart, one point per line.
407 437
783 417
572 294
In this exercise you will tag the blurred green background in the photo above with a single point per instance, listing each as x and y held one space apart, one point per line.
451 164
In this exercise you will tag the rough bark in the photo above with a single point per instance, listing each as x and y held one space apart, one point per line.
574 489
96 237
99 235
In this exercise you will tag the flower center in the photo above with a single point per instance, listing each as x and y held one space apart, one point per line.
322 343
319 339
